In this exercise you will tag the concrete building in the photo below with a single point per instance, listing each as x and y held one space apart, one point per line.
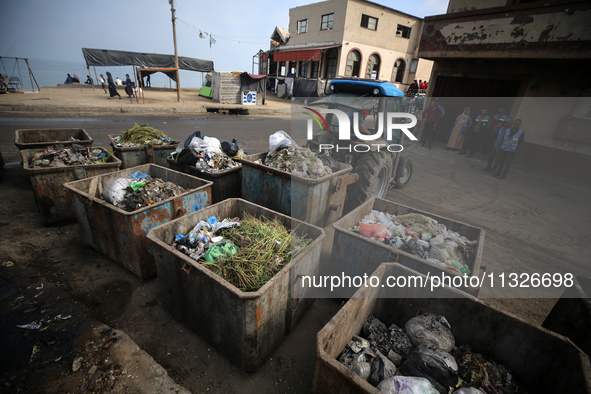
532 57
349 38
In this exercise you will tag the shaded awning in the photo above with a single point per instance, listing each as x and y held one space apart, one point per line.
297 56
108 57
302 54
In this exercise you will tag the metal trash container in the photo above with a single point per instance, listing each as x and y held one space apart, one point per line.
40 138
246 326
133 156
541 361
357 254
121 235
54 202
225 184
571 316
316 201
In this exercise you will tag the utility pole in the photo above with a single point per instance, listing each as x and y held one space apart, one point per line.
176 53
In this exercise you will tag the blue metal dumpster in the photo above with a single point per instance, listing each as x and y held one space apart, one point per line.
315 201
54 202
355 254
246 326
538 359
121 235
132 157
226 184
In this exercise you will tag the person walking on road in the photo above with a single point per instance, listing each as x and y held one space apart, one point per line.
510 140
431 117
103 83
112 88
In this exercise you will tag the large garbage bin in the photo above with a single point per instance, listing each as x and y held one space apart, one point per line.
571 316
40 138
54 202
246 326
541 361
317 201
134 156
121 235
357 254
225 184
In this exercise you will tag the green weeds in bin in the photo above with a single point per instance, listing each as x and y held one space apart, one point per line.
266 246
141 135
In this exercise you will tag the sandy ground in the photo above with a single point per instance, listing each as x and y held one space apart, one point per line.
533 223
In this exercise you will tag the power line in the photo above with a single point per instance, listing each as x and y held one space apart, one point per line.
202 32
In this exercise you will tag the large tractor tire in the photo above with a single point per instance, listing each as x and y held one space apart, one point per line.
403 172
374 170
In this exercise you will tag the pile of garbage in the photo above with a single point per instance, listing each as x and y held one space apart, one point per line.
74 155
285 155
422 236
246 252
139 136
139 190
208 154
422 358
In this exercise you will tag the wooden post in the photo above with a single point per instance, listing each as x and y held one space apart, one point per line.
90 76
32 76
176 54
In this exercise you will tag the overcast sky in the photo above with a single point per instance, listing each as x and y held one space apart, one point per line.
58 29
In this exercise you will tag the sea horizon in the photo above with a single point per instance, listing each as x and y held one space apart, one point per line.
48 72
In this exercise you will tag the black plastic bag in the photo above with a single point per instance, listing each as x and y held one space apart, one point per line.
438 366
230 148
186 157
190 138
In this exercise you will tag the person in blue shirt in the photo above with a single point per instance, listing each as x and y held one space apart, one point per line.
476 135
499 121
507 144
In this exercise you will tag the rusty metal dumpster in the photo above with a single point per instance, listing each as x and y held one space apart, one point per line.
316 201
357 254
246 326
225 184
40 138
121 235
54 202
541 361
132 157
571 316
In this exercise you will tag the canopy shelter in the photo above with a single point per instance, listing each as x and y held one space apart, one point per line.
151 61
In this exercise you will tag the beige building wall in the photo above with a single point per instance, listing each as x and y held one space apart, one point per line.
313 13
424 69
468 5
387 59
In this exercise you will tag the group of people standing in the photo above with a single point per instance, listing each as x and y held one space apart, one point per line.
495 138
416 86
112 85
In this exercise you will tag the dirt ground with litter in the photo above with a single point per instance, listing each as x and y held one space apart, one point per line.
533 223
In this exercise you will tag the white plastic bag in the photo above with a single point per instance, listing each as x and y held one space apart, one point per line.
212 144
280 140
115 192
406 385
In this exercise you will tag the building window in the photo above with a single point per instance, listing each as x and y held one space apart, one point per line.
373 66
303 71
369 21
353 64
302 26
327 22
314 71
403 31
331 63
398 73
